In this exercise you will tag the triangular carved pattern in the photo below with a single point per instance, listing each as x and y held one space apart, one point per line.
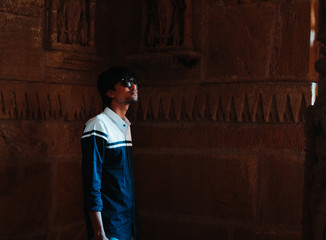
35 104
258 107
82 103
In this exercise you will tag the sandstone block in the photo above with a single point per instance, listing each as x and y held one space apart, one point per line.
20 49
215 185
293 38
254 234
242 36
23 7
25 198
68 193
226 136
167 226
281 190
40 140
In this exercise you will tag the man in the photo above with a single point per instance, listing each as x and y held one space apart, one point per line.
107 166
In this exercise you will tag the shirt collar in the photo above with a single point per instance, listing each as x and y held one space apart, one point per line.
122 124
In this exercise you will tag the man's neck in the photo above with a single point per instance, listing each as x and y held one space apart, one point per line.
120 110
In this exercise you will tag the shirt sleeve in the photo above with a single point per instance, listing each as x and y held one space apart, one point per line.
93 145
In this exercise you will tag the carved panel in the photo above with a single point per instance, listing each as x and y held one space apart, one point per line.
71 24
166 34
71 30
167 24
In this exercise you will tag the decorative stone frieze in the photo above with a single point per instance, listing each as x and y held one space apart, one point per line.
48 102
246 103
261 103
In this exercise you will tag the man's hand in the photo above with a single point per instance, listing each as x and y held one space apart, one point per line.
100 236
96 219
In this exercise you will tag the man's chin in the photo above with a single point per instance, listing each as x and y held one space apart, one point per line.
134 100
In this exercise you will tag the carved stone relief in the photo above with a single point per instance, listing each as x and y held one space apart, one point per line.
71 24
71 30
166 35
165 25
216 103
57 102
213 103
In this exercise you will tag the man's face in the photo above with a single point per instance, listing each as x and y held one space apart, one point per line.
125 92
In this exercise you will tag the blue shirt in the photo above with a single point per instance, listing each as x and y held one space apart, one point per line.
108 173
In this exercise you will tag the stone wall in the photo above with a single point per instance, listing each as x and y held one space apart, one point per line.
218 132
220 142
46 95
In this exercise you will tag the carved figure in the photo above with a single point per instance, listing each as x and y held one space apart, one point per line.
151 35
72 23
73 13
83 31
61 26
165 21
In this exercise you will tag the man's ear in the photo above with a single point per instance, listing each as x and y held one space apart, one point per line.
110 93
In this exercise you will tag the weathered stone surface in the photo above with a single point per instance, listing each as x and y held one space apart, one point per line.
20 48
30 140
75 230
243 34
25 198
292 37
221 186
27 34
59 65
69 77
22 7
68 194
218 137
54 186
27 236
126 38
281 190
259 40
253 234
165 225
225 3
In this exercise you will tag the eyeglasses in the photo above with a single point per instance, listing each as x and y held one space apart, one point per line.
126 82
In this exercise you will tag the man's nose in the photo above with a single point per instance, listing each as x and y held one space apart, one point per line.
133 86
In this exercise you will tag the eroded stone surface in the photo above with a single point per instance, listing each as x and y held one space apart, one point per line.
26 197
31 8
